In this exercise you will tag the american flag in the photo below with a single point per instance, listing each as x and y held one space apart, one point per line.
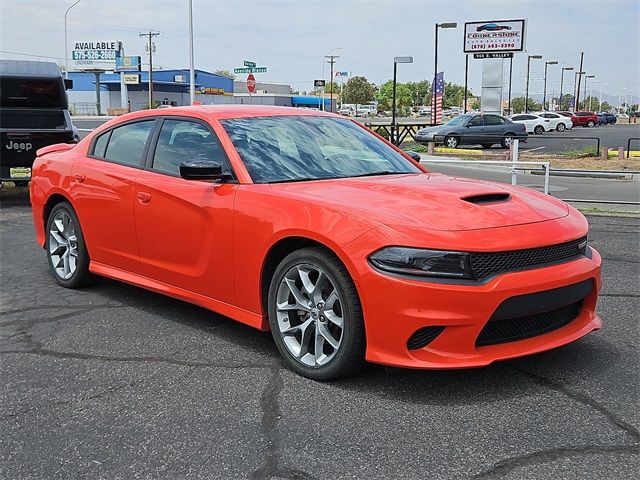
438 92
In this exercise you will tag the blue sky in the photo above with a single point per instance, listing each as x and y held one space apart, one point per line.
291 37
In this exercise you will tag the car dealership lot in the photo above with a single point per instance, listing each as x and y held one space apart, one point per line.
116 382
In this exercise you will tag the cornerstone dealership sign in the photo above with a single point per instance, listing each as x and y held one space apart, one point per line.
494 36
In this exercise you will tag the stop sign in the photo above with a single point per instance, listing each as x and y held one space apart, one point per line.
251 83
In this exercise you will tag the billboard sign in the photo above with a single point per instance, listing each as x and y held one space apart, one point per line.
95 55
494 36
319 83
342 74
128 63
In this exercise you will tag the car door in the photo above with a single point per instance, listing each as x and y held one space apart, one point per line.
474 131
494 128
184 227
102 193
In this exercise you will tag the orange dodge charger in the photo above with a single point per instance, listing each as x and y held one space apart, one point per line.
309 225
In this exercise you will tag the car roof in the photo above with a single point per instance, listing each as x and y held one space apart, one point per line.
28 68
219 112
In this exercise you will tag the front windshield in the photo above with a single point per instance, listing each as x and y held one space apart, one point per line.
459 120
297 148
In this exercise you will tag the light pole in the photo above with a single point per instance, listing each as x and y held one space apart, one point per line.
192 73
585 91
602 84
394 129
561 82
544 95
526 95
435 68
66 42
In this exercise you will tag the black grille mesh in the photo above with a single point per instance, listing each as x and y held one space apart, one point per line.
487 263
511 329
423 337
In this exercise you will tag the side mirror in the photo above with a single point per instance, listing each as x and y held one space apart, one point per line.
68 84
413 155
202 170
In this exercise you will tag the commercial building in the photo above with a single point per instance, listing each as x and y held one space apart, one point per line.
171 87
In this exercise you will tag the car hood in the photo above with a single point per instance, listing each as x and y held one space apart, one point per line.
431 201
436 129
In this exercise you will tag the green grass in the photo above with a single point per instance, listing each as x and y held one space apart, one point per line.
608 212
590 151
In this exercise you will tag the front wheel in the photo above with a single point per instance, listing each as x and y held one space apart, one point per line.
315 315
590 124
451 142
561 127
507 141
65 247
538 130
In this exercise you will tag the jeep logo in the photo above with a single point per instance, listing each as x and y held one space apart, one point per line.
19 147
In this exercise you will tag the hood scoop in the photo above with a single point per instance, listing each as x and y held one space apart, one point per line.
486 198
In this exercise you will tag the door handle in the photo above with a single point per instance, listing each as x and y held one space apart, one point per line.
144 197
80 177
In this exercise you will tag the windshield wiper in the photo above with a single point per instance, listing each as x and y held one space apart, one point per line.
380 172
302 179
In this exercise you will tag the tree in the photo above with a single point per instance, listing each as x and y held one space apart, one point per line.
421 92
358 90
454 95
518 105
404 96
225 73
475 104
336 88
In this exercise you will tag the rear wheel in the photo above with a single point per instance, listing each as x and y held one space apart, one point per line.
507 140
538 130
451 142
561 127
590 124
315 315
487 145
65 247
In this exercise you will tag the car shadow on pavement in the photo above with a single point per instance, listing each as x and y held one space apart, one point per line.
14 196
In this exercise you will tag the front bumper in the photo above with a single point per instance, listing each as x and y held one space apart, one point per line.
395 308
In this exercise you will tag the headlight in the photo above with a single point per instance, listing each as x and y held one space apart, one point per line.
422 262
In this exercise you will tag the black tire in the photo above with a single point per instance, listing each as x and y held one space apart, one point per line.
451 141
538 130
507 140
81 276
349 357
590 124
561 127
487 145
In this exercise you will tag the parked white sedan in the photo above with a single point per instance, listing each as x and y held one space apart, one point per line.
534 123
556 121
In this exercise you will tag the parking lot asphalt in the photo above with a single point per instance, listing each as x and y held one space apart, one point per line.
116 382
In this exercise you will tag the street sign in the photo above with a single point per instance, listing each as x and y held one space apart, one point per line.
250 70
319 83
251 83
494 36
493 55
95 55
402 59
249 64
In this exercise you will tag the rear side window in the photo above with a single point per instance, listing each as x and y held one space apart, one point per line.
493 120
182 140
101 145
127 143
476 122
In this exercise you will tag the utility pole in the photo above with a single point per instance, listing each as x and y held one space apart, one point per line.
331 59
150 48
580 73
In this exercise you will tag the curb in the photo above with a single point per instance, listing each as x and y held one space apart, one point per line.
590 174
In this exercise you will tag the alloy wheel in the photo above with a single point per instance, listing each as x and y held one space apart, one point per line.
309 315
63 245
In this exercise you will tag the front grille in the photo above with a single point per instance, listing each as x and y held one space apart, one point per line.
512 329
423 337
484 264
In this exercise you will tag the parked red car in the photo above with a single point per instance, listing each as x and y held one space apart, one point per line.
570 115
309 225
586 119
